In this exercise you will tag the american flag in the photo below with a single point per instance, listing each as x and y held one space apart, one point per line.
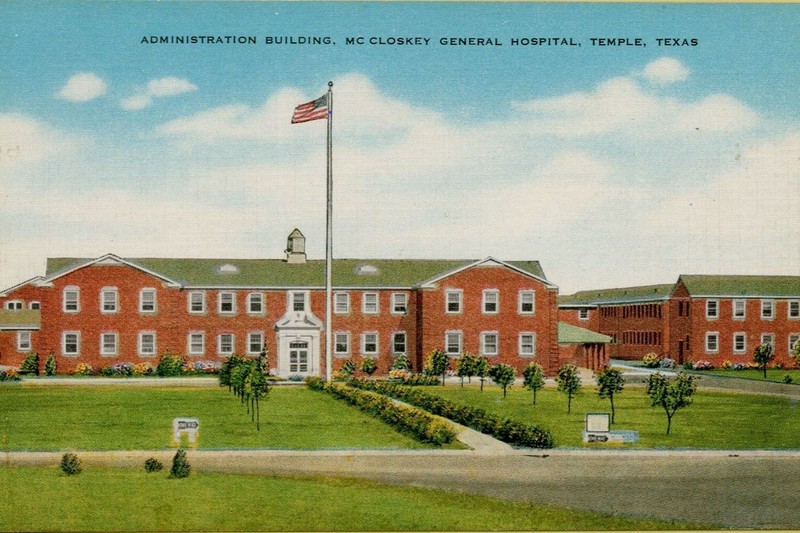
313 110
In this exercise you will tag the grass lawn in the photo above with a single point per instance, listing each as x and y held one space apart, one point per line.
773 374
714 420
43 499
118 418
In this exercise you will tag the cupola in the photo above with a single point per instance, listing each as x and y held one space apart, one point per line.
296 248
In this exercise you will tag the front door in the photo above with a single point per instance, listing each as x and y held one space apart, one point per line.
298 357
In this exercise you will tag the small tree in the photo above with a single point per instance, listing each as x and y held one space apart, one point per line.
50 365
762 356
259 389
796 353
437 364
180 465
481 369
348 367
30 365
671 396
533 378
569 382
465 367
609 383
368 366
401 362
503 375
70 464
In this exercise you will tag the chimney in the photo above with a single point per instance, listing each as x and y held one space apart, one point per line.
296 248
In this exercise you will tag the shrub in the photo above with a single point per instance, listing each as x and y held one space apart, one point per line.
170 365
30 365
726 365
666 363
787 379
50 365
142 369
703 365
70 464
9 375
153 465
399 374
118 369
180 465
82 369
401 362
348 367
206 367
688 365
296 377
368 366
651 360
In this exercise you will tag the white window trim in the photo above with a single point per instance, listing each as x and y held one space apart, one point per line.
14 305
395 296
103 292
460 294
709 316
533 344
364 309
189 297
484 335
202 335
346 352
771 343
710 334
24 341
789 314
103 351
772 309
345 296
364 351
789 340
744 343
533 301
250 297
290 296
744 309
583 314
35 305
405 342
140 343
485 293
77 291
233 302
250 350
219 344
460 335
148 290
77 352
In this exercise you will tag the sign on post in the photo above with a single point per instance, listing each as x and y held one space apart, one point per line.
190 427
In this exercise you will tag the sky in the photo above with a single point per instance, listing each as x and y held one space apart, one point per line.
613 165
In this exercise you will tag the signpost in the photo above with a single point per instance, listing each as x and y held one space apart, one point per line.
190 427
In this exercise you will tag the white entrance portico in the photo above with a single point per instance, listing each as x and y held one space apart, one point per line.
298 335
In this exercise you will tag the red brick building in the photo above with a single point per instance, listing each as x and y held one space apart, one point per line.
110 310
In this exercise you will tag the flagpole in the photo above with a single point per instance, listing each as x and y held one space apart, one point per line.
329 242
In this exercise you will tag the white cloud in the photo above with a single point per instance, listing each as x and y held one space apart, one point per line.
27 141
160 88
83 87
665 71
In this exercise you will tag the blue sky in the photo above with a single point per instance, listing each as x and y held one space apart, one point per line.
611 165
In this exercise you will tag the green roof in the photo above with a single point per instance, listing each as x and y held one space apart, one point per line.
20 319
569 334
279 273
644 293
747 286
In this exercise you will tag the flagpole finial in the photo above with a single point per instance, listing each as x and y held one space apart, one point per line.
330 84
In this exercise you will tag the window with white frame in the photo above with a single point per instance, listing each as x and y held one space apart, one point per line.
24 341
196 343
739 307
712 342
341 303
341 342
453 300
768 338
255 342
767 309
225 343
489 342
197 302
794 339
108 343
369 343
147 301
71 299
35 306
399 303
793 311
452 342
712 309
527 344
739 343
227 303
298 301
491 301
583 314
527 302
399 342
14 305
147 344
369 303
255 303
71 343
109 300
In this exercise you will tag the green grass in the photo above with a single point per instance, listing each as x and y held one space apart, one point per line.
773 374
99 499
118 418
714 420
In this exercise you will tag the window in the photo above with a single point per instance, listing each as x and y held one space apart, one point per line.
197 302
13 305
794 338
109 300
768 338
527 302
197 343
147 344
452 342
147 301
369 305
767 309
23 341
794 309
712 342
399 343
225 344
35 306
712 309
399 303
583 314
739 343
71 300
227 302
255 342
489 343
527 345
71 343
341 344
739 309
255 303
341 303
453 299
369 344
298 301
491 301
108 343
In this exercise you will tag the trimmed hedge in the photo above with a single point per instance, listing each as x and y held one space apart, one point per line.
503 429
417 423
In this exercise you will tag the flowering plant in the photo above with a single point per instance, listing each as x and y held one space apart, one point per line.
9 374
651 360
666 363
703 365
399 374
726 365
141 369
206 367
82 369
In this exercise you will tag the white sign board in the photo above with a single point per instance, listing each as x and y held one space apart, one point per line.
598 422
185 426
